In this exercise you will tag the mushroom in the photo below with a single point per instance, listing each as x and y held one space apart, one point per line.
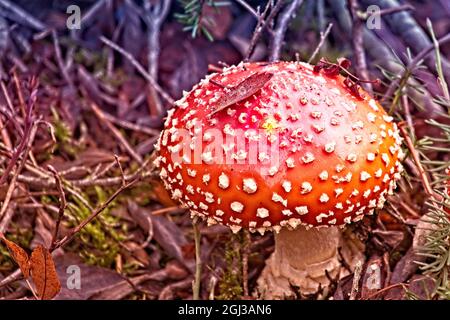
281 147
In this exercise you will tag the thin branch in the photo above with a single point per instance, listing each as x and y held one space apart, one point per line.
198 261
412 65
25 137
356 278
264 19
62 204
139 68
423 174
323 36
12 184
59 60
358 44
24 17
245 253
282 25
99 113
403 7
93 215
248 8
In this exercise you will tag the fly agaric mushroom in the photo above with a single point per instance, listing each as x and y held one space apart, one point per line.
270 145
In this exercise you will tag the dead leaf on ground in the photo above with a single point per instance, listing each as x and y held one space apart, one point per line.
43 273
19 255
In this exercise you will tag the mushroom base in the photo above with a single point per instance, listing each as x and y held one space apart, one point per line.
302 259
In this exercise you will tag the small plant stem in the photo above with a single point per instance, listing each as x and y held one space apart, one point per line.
245 253
198 261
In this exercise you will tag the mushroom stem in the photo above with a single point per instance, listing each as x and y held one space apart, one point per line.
303 259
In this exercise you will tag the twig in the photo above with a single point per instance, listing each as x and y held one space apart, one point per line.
261 25
116 133
423 175
245 254
323 36
403 285
93 215
155 14
12 184
62 204
403 7
358 44
139 68
248 8
130 125
122 174
356 278
6 219
198 261
25 137
59 60
23 15
280 30
408 117
412 64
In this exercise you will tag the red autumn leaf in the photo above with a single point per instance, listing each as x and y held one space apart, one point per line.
43 273
19 255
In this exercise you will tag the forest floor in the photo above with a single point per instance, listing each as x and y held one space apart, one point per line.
81 110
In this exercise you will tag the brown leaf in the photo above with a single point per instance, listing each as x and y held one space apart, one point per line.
243 90
43 273
19 255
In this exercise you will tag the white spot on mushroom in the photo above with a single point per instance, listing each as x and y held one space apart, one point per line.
224 181
262 156
370 156
385 158
236 206
277 198
250 185
302 210
378 173
219 213
323 175
352 157
306 187
262 213
324 198
290 163
191 173
364 176
329 147
206 178
286 212
273 170
235 228
387 118
308 158
207 157
338 191
287 185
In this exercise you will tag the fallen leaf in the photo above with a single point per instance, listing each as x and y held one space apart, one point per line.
19 255
43 273
243 90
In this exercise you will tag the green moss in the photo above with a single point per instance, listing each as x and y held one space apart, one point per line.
63 135
98 242
230 285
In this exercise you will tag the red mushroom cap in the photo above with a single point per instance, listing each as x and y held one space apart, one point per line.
262 146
